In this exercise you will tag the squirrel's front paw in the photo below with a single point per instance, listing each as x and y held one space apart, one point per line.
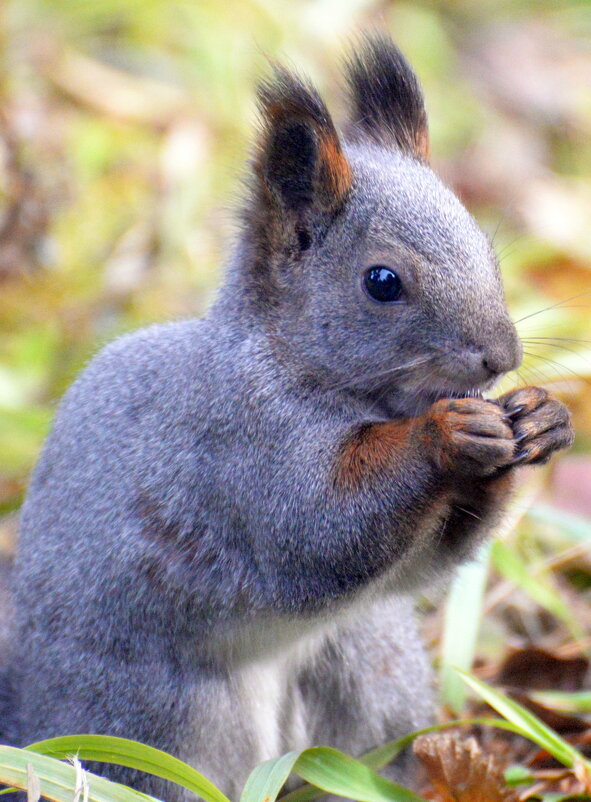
469 436
541 424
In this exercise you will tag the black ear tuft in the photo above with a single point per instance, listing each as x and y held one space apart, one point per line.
299 158
387 101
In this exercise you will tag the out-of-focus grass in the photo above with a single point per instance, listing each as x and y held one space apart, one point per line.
124 128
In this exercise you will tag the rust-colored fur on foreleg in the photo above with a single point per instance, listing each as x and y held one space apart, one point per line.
465 436
370 451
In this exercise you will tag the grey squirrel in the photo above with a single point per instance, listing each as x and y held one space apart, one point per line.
222 538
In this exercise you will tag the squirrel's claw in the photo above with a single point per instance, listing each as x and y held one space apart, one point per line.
541 424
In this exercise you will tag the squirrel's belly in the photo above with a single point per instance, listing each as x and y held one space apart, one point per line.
262 689
270 697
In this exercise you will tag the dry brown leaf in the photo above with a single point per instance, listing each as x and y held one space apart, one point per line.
537 668
459 771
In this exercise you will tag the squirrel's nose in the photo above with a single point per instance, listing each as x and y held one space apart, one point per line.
503 355
500 353
497 364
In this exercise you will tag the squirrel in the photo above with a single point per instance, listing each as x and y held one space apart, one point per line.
232 515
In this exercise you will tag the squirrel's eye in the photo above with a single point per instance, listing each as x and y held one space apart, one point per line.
382 284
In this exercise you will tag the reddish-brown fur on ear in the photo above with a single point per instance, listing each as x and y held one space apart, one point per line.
423 146
299 159
336 168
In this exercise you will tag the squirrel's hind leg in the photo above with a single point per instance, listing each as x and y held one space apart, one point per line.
370 684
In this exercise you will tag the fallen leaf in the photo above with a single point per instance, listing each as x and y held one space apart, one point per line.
537 668
459 771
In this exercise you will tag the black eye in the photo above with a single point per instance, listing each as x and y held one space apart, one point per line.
383 284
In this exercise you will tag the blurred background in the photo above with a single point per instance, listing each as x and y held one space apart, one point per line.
124 129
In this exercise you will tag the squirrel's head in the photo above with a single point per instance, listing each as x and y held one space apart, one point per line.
362 264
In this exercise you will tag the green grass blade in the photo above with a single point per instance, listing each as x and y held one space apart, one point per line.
124 752
380 757
564 701
306 793
267 779
575 526
518 775
584 797
58 780
341 774
512 567
327 769
460 630
527 723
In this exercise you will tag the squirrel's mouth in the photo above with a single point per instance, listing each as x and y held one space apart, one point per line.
409 402
452 390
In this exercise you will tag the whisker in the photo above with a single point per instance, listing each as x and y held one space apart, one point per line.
536 342
518 373
553 306
508 207
373 377
521 379
561 339
441 533
551 326
554 362
379 397
468 512
503 252
537 373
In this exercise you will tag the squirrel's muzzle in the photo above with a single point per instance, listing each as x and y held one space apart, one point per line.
499 352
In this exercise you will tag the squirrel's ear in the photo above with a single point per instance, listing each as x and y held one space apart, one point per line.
300 168
386 97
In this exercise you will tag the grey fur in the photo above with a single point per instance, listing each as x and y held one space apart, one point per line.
188 573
